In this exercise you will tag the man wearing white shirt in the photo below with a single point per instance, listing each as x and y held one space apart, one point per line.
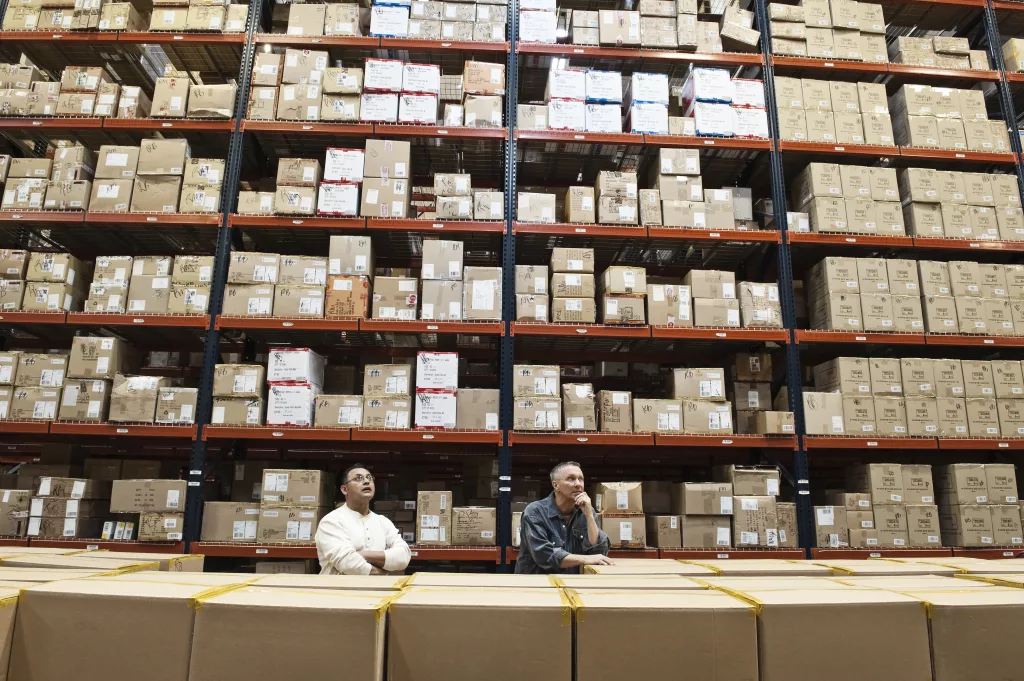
353 540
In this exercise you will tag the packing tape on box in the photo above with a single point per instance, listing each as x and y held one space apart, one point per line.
572 596
714 569
756 605
196 602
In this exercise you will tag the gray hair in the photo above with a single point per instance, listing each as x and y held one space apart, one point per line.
557 469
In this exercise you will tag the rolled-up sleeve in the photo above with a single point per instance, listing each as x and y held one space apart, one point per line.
335 549
396 555
603 545
535 538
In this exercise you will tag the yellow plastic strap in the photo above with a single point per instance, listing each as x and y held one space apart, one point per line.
567 605
714 569
404 581
556 581
197 601
11 600
836 570
383 607
576 602
391 601
138 568
745 597
410 580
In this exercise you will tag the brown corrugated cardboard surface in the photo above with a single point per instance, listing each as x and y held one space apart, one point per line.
433 631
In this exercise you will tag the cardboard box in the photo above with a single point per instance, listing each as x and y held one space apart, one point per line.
434 518
961 484
754 521
891 525
1006 525
477 409
157 496
968 525
234 411
1001 482
289 524
830 525
664 531
134 398
100 357
473 526
283 488
750 481
884 482
706 531
707 498
227 521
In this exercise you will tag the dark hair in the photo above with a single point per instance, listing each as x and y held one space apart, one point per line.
344 476
557 469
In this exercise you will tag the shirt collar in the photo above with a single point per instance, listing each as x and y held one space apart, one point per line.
353 512
552 507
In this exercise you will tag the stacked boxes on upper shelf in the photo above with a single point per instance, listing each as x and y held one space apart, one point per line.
833 112
946 118
720 105
916 397
829 29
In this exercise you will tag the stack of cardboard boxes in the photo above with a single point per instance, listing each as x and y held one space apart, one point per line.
465 21
69 507
955 205
751 393
620 510
536 389
833 112
160 505
868 294
899 506
532 300
151 284
437 383
884 397
238 396
739 509
717 105
292 504
198 15
978 505
623 293
300 85
388 395
829 29
697 404
37 387
438 523
714 298
295 376
665 24
573 286
850 199
943 52
41 282
946 118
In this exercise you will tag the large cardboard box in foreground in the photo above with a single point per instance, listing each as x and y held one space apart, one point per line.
712 633
435 634
801 632
974 630
231 644
79 617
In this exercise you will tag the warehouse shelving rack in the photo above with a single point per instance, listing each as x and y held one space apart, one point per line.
773 251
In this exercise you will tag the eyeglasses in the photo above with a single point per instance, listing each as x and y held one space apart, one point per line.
360 478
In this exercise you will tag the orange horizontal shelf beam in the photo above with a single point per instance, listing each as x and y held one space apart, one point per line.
102 545
731 441
820 336
965 340
298 324
980 443
862 443
570 229
734 235
293 221
581 439
733 334
198 321
492 437
868 553
490 226
123 430
275 433
25 427
569 50
830 239
33 317
873 150
730 552
579 330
